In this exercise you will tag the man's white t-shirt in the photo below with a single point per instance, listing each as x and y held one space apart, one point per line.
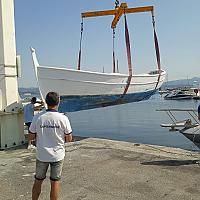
28 112
50 128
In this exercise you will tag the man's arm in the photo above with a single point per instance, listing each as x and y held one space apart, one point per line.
68 137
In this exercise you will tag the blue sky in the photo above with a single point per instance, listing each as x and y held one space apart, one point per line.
53 29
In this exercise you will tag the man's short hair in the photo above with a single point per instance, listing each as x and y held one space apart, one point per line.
33 100
52 99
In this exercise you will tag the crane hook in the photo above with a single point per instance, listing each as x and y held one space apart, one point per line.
116 4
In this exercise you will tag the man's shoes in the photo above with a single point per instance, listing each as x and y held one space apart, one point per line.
30 146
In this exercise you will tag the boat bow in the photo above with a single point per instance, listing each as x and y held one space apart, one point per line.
36 65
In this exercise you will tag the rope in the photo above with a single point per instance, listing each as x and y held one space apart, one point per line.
79 55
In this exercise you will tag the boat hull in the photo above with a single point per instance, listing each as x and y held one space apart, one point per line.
80 90
193 134
77 103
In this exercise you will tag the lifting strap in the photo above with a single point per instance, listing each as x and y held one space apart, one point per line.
114 50
79 55
157 50
128 50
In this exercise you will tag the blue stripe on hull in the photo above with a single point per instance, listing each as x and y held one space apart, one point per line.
77 103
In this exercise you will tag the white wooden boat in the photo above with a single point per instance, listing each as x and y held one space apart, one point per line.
85 89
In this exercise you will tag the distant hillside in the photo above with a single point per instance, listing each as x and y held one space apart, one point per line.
183 83
29 92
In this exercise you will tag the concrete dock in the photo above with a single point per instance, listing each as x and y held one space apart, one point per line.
97 169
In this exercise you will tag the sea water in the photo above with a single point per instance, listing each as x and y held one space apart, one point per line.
137 122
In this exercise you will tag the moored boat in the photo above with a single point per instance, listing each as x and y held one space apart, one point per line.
193 134
189 127
178 95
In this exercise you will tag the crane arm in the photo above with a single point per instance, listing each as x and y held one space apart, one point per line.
98 13
118 12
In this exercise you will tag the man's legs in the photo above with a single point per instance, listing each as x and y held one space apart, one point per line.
29 140
40 175
55 188
36 190
28 124
55 175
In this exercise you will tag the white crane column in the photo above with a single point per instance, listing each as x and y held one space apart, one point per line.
11 117
8 74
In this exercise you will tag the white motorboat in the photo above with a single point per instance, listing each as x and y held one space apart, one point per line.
178 95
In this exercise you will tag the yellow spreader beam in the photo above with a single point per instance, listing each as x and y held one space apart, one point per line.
118 12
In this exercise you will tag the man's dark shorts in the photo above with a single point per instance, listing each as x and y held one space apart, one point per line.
55 171
28 124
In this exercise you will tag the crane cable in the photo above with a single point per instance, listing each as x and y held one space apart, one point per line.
114 60
116 4
114 50
79 55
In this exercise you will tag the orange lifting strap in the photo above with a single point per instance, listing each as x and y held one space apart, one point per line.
128 51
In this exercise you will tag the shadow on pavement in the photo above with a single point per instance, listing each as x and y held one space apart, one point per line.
171 162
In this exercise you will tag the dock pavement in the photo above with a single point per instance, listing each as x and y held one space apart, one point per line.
99 169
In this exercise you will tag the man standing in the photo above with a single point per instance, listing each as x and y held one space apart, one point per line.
28 116
51 130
